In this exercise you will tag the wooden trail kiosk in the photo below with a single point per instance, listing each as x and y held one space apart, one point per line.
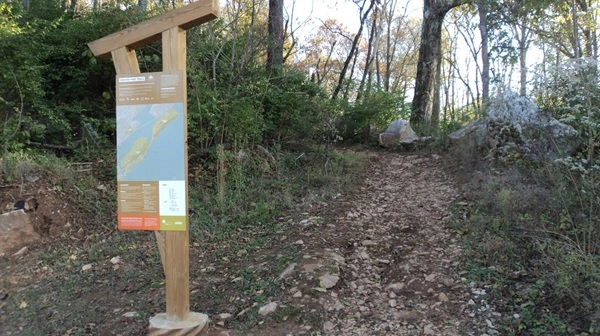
142 197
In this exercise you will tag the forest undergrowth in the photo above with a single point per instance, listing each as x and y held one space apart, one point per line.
531 231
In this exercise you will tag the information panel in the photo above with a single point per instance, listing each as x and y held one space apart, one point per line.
151 151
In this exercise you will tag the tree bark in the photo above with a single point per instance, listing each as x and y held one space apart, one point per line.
576 45
275 49
353 49
143 4
371 50
523 46
424 106
482 8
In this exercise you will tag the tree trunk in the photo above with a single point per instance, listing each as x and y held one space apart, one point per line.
143 4
349 84
576 45
485 59
424 105
369 61
523 63
353 49
275 49
389 52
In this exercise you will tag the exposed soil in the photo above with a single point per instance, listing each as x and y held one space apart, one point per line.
398 262
379 259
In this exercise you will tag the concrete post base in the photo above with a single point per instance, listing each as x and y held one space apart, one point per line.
195 325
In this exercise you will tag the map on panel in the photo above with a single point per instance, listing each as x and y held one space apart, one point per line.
148 136
151 151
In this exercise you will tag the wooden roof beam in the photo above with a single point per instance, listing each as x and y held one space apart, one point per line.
151 30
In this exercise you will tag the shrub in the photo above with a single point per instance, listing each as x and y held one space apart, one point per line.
372 113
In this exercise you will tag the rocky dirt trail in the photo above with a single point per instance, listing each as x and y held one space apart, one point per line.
383 260
378 259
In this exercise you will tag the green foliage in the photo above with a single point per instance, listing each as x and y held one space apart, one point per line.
374 111
51 87
573 96
295 108
238 193
232 100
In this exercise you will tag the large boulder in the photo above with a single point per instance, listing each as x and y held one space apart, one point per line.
516 125
15 230
399 131
474 134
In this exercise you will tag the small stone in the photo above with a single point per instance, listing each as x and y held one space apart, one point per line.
86 267
517 316
328 326
21 252
287 272
241 253
368 243
430 277
364 255
299 242
267 309
131 314
225 316
297 294
393 303
396 287
428 330
443 298
311 267
115 260
392 295
406 315
338 305
328 281
338 258
242 312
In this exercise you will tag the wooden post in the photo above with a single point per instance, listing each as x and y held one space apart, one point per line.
177 242
173 245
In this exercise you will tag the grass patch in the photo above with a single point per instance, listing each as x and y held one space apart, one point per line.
238 201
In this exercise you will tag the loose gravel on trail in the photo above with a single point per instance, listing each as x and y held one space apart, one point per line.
384 261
